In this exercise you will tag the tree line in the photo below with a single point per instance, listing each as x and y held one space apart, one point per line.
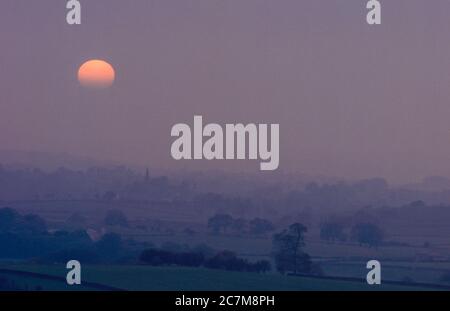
226 224
223 260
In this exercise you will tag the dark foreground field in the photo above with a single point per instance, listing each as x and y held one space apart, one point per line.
145 278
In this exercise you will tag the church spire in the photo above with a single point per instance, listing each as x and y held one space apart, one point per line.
147 175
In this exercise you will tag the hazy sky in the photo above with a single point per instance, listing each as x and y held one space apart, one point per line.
352 100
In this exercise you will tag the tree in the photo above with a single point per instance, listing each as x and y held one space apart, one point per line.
332 231
445 277
11 220
116 218
227 260
8 218
159 257
204 249
367 234
219 223
109 196
156 257
77 220
109 245
239 225
261 226
288 250
189 231
189 259
34 223
262 266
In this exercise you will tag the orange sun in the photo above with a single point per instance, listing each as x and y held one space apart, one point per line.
96 73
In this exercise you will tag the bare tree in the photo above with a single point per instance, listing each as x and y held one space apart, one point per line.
288 252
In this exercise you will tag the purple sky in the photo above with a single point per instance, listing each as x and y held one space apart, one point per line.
352 100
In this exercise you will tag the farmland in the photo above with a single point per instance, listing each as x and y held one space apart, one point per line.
186 279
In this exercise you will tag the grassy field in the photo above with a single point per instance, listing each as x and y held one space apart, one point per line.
430 273
33 283
190 279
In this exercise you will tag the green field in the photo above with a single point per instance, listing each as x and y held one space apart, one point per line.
409 261
187 279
